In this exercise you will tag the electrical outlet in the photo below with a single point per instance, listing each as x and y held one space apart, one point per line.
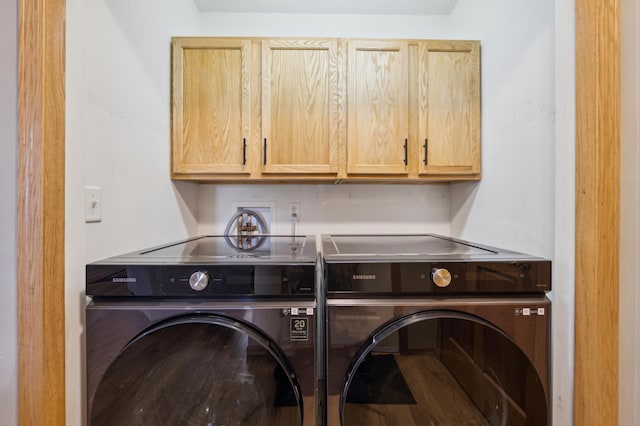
294 211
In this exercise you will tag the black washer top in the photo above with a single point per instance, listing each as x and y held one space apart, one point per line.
210 266
219 249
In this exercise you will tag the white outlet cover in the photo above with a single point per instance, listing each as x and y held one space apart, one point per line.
294 207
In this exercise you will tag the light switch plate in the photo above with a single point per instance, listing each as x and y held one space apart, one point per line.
92 204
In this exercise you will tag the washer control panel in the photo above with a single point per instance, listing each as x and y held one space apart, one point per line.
200 280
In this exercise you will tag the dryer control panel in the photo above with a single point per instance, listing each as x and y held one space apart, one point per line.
429 278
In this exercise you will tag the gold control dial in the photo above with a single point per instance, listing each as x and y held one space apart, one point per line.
441 277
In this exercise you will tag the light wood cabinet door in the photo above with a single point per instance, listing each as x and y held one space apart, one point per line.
300 106
449 103
377 107
211 106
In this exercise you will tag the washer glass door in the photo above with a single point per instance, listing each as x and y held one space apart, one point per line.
198 370
442 368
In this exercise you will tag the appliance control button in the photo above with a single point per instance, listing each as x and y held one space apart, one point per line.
199 280
441 277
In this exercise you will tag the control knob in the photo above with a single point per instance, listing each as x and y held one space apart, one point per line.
199 280
441 277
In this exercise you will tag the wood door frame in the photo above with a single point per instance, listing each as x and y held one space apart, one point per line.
597 196
41 106
40 220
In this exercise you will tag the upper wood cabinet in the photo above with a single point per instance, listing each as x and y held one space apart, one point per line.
329 110
300 106
211 106
378 107
449 107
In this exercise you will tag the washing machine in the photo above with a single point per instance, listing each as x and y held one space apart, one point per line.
430 330
206 331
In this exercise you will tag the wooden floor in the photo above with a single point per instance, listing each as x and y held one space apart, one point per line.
439 400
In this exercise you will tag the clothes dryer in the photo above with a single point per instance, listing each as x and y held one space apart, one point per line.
429 330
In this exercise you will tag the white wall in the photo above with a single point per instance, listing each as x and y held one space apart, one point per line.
563 294
8 182
333 208
512 206
630 215
118 138
525 200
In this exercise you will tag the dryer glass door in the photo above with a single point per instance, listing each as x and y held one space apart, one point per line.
442 369
198 371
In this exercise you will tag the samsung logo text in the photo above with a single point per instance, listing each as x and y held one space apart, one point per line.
124 280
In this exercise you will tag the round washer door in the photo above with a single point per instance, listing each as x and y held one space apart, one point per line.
198 370
442 368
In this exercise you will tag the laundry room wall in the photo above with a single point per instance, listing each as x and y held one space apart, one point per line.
118 109
629 388
8 185
327 209
525 200
117 132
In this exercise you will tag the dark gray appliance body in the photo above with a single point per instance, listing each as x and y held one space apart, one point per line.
474 349
240 350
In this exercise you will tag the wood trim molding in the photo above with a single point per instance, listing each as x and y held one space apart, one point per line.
41 139
597 212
